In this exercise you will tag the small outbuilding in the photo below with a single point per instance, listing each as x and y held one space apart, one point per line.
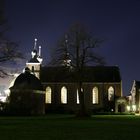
27 96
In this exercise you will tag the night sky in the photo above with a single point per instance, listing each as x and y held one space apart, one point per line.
116 21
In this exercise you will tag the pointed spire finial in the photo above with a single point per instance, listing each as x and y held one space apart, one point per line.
66 38
67 60
39 53
34 51
66 43
35 43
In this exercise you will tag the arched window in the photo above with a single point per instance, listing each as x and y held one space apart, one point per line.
78 100
95 96
48 96
77 97
64 95
110 93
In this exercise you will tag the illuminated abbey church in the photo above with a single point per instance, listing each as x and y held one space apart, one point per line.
102 85
41 89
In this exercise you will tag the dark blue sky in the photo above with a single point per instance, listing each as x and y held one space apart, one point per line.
116 21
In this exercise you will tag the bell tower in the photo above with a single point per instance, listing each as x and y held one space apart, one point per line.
34 64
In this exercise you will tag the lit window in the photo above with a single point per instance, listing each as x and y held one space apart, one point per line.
111 94
134 108
95 95
78 100
77 97
64 95
48 95
128 108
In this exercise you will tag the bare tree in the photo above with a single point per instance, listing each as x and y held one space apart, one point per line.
76 51
8 49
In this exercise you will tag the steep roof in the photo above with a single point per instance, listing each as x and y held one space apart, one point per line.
33 60
90 74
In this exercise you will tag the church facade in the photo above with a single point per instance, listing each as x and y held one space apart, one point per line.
101 85
134 97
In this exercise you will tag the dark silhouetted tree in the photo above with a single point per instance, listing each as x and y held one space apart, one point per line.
76 50
8 49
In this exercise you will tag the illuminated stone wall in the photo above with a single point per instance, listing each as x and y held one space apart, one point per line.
71 105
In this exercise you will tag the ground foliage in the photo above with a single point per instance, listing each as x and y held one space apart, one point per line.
59 127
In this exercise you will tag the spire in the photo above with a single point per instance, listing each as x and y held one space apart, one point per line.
34 51
35 43
66 42
39 58
39 53
66 61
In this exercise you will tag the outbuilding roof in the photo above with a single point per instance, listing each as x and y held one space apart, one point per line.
27 80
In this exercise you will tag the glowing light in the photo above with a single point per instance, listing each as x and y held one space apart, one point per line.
95 95
78 98
35 43
7 92
112 110
128 108
33 54
40 59
16 75
3 98
111 93
134 107
64 95
39 53
48 95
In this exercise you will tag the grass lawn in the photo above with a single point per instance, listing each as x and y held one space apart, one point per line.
66 127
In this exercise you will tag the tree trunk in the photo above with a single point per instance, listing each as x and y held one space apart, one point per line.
82 112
